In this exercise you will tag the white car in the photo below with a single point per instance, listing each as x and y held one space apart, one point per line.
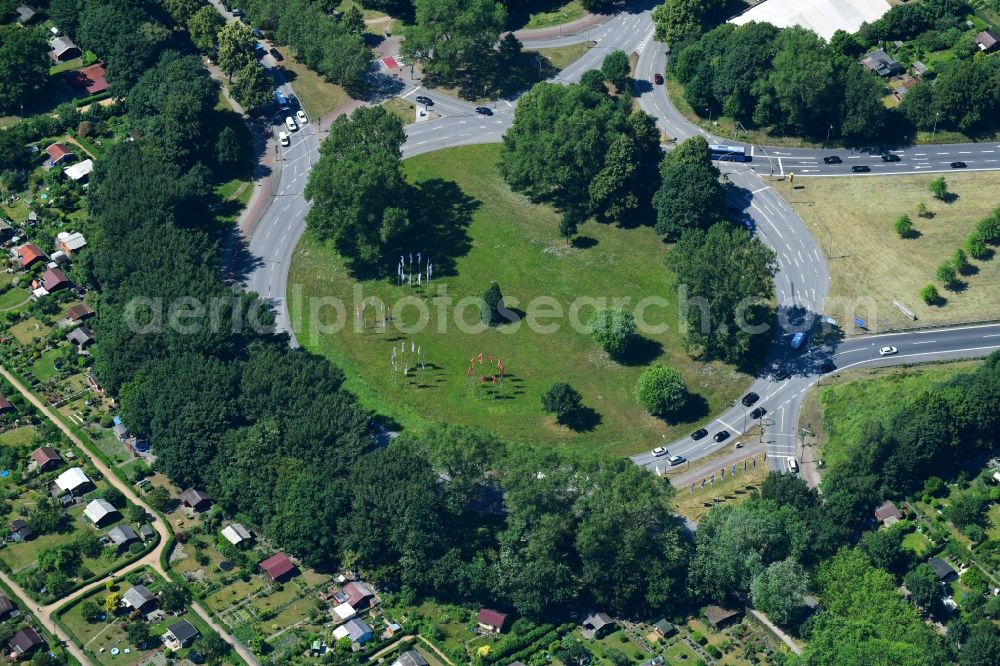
290 124
887 351
660 451
676 460
283 139
300 115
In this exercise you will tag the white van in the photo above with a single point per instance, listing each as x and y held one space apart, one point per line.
793 466
283 139
290 124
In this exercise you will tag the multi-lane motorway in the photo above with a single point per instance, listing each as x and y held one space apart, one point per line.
800 285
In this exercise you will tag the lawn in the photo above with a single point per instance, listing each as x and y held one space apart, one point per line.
29 331
317 95
562 57
730 490
871 266
44 368
846 401
916 543
618 640
546 14
485 232
401 108
18 436
993 520
13 297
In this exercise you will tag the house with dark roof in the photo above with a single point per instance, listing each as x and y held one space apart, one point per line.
53 279
719 617
881 63
490 621
45 457
410 658
664 629
122 536
58 153
79 312
5 405
24 643
28 254
596 625
19 531
146 532
6 606
81 337
180 635
139 598
887 514
357 594
277 567
25 15
236 534
919 68
195 499
987 41
90 80
62 49
942 569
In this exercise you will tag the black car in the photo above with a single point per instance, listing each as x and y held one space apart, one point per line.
781 374
958 165
276 54
827 366
749 399
426 101
861 168
832 159
258 33
757 413
237 12
484 111
699 434
721 436
889 157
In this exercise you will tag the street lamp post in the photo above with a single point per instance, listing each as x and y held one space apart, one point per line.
709 109
828 130
934 133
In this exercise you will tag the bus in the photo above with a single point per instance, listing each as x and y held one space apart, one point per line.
730 153
282 100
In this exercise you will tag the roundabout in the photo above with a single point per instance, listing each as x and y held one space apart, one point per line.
801 283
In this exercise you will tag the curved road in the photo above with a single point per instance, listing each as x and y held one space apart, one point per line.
800 285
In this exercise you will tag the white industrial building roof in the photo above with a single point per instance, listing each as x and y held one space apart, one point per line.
80 169
71 479
824 17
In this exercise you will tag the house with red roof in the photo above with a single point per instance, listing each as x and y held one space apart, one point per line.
491 621
5 405
58 153
28 254
90 80
277 567
45 457
54 279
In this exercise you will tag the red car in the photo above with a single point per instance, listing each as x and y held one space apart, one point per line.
658 79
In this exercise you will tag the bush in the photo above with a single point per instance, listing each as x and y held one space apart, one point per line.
661 390
613 330
904 226
714 651
924 211
960 261
939 188
491 305
975 246
930 295
697 638
988 228
947 275
562 400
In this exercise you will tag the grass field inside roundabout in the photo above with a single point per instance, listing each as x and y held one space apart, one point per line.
486 232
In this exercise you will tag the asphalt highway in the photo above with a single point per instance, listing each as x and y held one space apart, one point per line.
800 285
